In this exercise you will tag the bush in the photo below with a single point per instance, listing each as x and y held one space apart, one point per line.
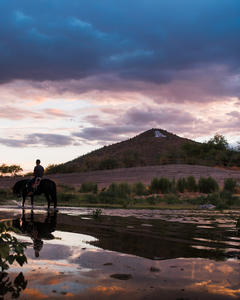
108 164
89 198
222 200
171 199
181 184
66 188
87 187
116 193
139 189
230 185
67 197
207 185
191 184
162 185
120 190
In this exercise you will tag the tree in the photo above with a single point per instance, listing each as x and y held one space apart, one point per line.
12 169
218 142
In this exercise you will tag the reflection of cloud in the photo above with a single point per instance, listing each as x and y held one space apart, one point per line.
35 294
107 290
221 288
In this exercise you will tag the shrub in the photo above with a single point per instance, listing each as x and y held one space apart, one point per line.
191 184
120 190
89 198
222 200
171 199
207 185
181 184
108 164
154 187
116 193
87 187
67 197
162 185
66 188
139 189
230 184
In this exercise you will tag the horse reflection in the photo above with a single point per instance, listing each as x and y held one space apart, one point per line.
36 229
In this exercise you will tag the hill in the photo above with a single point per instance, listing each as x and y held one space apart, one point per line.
152 147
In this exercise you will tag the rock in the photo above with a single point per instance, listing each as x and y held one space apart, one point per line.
121 276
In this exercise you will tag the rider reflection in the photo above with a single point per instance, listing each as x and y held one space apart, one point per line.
37 230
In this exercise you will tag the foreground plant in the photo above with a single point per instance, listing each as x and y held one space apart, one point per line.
96 213
11 250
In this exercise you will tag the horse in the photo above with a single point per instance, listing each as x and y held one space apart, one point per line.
46 187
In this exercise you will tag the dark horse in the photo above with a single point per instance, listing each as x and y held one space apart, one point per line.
46 187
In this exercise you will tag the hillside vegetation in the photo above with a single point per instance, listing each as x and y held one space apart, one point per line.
148 150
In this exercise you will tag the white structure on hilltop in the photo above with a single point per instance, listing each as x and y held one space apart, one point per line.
158 134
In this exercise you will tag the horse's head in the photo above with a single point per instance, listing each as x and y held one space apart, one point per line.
19 187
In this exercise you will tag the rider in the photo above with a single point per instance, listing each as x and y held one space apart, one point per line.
38 174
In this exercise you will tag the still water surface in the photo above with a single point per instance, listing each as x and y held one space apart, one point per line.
128 254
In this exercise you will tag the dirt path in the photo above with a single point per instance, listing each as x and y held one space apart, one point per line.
131 175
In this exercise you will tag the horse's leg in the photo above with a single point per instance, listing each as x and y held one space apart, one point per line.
23 199
54 199
32 201
48 200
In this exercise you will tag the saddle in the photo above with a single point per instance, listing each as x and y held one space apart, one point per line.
36 183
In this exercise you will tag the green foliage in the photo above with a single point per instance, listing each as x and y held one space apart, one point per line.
162 185
139 189
97 213
12 169
67 197
87 187
66 188
130 158
115 193
5 194
230 185
171 198
181 184
60 168
90 198
218 142
11 250
191 184
207 185
222 200
108 164
214 152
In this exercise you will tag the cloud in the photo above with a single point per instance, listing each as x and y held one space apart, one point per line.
40 139
136 120
14 113
157 42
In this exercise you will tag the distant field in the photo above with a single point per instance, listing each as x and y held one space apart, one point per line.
131 175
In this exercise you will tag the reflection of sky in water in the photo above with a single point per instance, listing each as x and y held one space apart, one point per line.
69 266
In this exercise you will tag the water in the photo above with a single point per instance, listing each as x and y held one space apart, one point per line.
128 254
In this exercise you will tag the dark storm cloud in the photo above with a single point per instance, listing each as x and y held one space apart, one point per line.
39 139
139 40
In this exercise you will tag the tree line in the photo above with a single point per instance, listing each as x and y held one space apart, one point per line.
11 169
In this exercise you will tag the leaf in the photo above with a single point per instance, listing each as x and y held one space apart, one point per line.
4 250
11 259
21 259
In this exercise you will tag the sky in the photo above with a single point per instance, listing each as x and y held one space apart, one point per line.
77 74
